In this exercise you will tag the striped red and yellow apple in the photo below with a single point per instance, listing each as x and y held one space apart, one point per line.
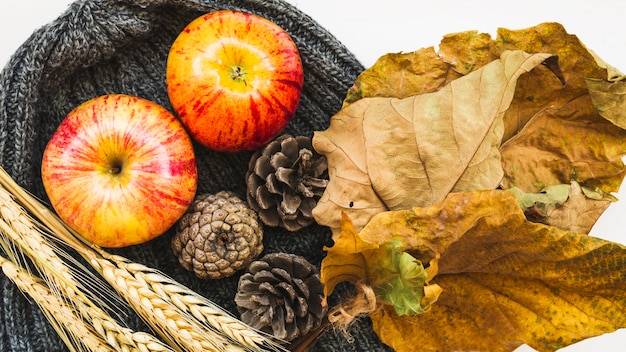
234 79
120 170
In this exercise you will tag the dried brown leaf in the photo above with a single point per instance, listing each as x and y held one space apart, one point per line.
565 144
579 213
389 153
402 75
609 98
554 134
529 162
505 281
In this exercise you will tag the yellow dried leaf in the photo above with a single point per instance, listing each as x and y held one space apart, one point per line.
539 90
569 207
344 261
609 98
402 75
579 213
565 144
504 281
389 153
468 51
543 112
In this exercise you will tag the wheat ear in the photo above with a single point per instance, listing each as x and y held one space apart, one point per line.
174 326
81 326
22 235
74 331
196 307
179 327
21 230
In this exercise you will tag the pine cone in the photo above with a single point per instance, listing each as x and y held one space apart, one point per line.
285 180
281 294
218 235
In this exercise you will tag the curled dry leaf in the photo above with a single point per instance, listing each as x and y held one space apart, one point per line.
570 207
555 131
561 145
396 277
505 281
391 153
402 75
609 98
410 156
580 212
554 134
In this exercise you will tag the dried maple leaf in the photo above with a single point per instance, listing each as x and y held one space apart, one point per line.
344 261
505 281
390 153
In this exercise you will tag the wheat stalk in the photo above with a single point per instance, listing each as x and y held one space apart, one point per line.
187 322
74 331
78 323
19 229
182 333
20 234
196 307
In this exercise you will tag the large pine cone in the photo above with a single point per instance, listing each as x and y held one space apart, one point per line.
217 236
281 294
285 180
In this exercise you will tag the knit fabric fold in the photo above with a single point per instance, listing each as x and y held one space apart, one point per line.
98 47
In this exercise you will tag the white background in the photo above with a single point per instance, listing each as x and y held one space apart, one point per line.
372 28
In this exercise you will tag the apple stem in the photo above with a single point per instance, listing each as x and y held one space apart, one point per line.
237 73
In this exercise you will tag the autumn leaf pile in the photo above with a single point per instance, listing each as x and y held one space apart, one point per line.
463 186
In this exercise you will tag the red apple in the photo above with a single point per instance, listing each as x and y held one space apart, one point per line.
120 170
234 79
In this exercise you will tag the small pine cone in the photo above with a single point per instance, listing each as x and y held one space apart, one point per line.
285 180
281 294
218 235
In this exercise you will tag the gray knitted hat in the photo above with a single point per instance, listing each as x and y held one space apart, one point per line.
120 46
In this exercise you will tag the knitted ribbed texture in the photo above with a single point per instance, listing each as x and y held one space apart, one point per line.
120 46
